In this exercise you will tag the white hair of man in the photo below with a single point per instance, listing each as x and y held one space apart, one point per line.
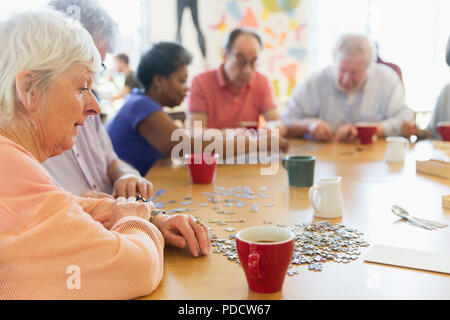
45 42
354 44
93 17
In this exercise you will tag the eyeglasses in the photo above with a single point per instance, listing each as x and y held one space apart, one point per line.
103 68
242 62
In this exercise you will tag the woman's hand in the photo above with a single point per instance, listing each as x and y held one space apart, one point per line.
130 184
320 130
108 210
181 229
346 133
124 207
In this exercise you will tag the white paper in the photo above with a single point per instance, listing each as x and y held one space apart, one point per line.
409 258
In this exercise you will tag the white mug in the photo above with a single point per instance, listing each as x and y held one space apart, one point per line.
326 198
396 149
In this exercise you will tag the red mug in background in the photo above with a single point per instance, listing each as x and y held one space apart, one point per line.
249 125
202 167
265 254
443 128
366 131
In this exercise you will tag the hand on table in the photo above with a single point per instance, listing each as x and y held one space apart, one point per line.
283 143
409 129
320 130
181 229
380 130
128 185
346 132
107 210
124 207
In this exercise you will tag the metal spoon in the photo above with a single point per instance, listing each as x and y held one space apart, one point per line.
402 213
432 223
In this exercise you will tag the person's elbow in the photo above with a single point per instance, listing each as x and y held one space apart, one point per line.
148 273
143 263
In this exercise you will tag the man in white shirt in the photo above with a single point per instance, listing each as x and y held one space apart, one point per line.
327 104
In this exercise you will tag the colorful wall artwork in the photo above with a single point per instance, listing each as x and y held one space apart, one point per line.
282 25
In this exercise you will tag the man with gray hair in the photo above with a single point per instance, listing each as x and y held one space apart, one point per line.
92 167
327 104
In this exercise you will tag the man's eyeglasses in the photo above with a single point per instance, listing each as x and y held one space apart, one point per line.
102 68
242 62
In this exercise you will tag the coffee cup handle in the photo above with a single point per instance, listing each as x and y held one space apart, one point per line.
311 197
253 265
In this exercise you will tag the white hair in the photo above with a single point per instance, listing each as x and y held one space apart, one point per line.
352 44
45 42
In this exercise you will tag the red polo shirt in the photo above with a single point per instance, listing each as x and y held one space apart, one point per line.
225 106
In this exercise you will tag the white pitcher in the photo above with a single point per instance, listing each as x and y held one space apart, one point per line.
396 149
326 198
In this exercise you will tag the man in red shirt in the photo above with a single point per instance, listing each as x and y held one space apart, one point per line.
235 92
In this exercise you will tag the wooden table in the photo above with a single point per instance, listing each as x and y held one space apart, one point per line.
370 187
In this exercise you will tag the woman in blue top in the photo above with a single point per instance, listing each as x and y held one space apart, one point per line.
141 130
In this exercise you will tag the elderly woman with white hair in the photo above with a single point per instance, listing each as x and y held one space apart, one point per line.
327 104
55 245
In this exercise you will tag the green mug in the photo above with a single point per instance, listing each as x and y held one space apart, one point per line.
300 170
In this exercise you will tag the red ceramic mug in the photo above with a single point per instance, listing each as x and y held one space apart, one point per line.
265 254
202 167
443 128
366 132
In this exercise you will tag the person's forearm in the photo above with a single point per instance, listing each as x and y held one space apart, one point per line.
119 168
299 128
99 209
393 125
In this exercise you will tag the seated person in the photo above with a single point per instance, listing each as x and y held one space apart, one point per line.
235 92
92 166
328 103
48 236
122 66
141 132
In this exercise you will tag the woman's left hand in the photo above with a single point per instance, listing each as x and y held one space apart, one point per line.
181 230
130 184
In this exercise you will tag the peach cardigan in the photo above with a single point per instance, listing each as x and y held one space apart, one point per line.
52 248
